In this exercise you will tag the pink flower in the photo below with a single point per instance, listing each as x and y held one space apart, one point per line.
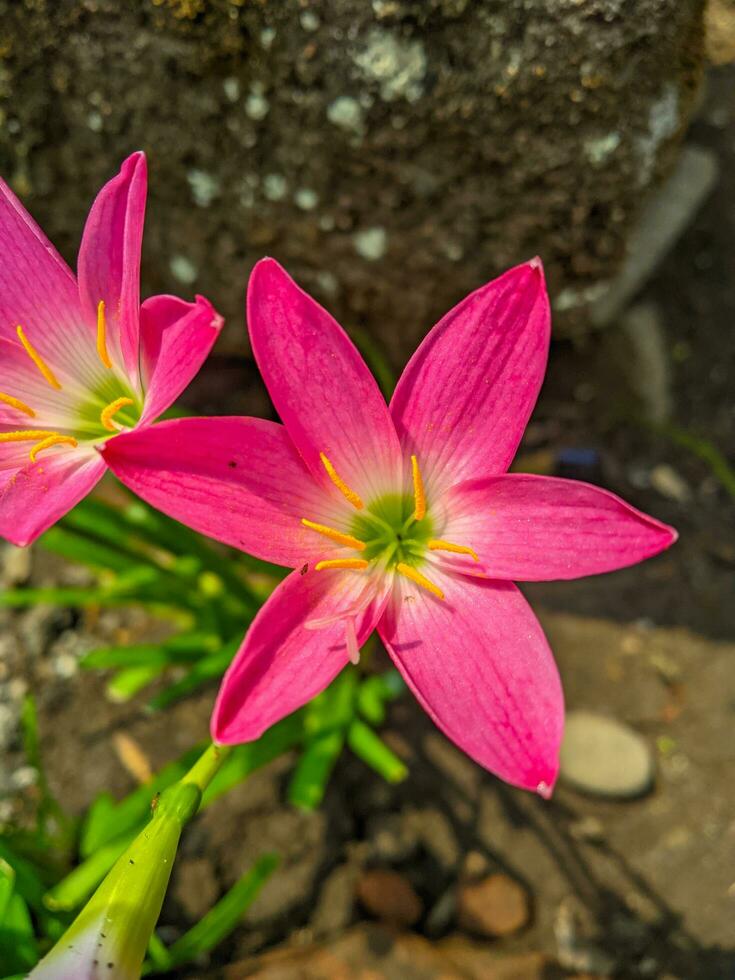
81 358
401 519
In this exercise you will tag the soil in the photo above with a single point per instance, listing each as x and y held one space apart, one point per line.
637 889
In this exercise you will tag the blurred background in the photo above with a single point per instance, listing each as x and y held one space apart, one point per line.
394 155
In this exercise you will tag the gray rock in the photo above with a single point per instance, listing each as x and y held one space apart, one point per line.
603 757
474 135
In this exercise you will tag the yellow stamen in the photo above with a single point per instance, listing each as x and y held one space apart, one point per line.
17 403
357 563
102 335
419 495
37 359
110 410
338 536
410 572
340 484
55 440
26 435
459 549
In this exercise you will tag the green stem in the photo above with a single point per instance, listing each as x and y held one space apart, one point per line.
207 765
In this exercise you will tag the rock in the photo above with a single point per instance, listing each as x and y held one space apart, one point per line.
461 137
603 757
195 887
720 31
479 963
335 904
494 906
671 484
389 896
647 360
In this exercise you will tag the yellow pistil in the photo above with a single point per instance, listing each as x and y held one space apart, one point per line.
458 549
410 572
102 335
17 403
335 535
109 410
37 359
357 563
54 440
419 494
340 484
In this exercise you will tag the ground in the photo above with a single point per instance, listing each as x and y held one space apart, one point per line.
642 888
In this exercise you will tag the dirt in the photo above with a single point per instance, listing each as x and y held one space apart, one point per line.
639 889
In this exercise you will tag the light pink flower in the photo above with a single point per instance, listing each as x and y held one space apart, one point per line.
399 519
81 358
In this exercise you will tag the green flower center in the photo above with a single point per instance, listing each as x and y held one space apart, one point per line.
106 409
390 531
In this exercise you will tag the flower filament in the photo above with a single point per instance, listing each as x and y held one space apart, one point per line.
394 532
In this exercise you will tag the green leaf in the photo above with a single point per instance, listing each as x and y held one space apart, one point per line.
375 753
96 821
219 922
18 947
309 781
205 670
375 692
79 884
126 683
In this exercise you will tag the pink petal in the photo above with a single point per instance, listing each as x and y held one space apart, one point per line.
175 339
37 289
20 378
238 480
320 385
480 665
535 528
109 260
282 663
466 395
36 496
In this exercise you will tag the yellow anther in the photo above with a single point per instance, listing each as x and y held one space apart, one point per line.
109 410
26 435
37 359
102 335
17 403
357 563
419 495
458 549
338 536
410 572
54 440
340 484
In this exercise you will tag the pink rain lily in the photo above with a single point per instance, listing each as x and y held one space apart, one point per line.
82 358
399 518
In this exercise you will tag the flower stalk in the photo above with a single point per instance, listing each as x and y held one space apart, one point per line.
110 936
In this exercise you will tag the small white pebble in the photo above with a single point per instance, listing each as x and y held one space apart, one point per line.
309 20
306 199
256 106
231 88
183 269
274 187
371 243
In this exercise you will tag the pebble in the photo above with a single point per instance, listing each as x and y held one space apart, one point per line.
389 896
671 484
603 757
494 906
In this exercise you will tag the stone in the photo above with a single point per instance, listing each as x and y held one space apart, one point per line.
389 896
477 962
671 484
465 137
603 757
494 906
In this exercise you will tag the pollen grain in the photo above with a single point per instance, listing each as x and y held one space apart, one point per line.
335 535
359 564
37 359
349 493
410 572
419 494
17 404
102 335
109 410
436 544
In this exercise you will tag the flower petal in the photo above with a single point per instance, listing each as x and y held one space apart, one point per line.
320 385
109 260
465 397
175 339
238 480
37 288
480 665
536 528
36 496
282 663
